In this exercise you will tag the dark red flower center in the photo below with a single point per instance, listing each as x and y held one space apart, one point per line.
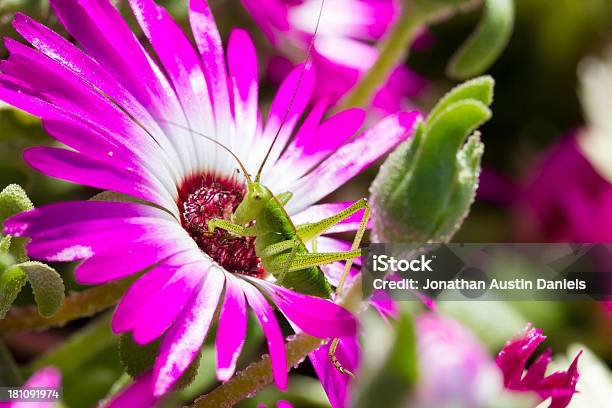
204 197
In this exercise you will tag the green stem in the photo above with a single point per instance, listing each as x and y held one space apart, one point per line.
393 51
79 348
77 305
257 375
395 47
9 372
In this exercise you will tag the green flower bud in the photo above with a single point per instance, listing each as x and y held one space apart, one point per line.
425 188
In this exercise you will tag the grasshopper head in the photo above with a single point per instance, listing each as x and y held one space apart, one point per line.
251 206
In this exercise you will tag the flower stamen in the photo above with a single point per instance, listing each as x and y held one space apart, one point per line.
205 197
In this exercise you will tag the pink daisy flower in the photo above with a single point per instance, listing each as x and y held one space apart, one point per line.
47 378
560 386
124 116
344 48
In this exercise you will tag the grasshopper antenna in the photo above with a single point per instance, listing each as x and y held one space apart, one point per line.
308 55
246 174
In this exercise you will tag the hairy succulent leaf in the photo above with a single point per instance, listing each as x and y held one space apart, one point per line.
13 200
426 186
47 286
12 280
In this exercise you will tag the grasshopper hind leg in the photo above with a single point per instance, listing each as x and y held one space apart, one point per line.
334 360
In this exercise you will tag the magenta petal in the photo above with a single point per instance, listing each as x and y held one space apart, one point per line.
121 137
137 394
40 220
103 33
559 386
211 48
537 370
384 304
513 357
287 97
274 337
563 385
315 316
335 130
52 82
90 142
333 381
135 298
351 158
74 167
83 240
68 55
231 331
184 339
161 309
242 63
106 266
178 57
271 16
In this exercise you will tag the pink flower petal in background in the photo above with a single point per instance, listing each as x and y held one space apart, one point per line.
344 48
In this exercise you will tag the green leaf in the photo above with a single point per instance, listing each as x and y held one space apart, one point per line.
136 358
47 286
12 280
5 244
426 186
486 43
13 200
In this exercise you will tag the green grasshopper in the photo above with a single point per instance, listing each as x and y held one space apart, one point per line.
281 245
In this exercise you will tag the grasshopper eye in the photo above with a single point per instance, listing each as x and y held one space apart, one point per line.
257 196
